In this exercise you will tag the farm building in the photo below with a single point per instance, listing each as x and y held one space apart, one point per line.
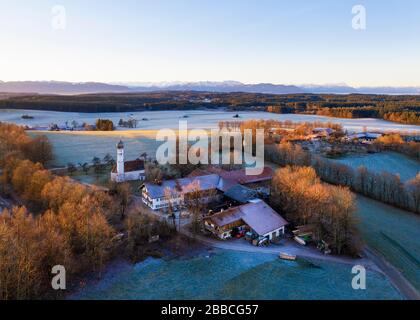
156 196
364 137
257 217
232 178
241 194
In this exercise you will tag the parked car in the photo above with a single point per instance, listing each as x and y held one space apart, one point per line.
240 234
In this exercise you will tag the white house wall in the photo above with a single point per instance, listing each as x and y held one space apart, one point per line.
129 176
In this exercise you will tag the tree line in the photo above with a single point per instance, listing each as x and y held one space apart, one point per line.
402 109
70 228
58 221
104 125
305 200
396 142
14 140
385 187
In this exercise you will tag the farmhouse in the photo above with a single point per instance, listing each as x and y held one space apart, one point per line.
364 137
323 132
127 170
235 177
210 181
241 194
257 217
157 196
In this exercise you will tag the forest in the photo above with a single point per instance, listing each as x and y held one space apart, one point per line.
385 187
58 221
402 109
299 192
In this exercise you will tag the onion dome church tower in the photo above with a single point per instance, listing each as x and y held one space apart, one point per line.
127 170
120 161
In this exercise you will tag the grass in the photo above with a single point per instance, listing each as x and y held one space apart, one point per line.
392 162
394 233
227 275
100 179
81 147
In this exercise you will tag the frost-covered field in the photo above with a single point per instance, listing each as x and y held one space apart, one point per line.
394 233
79 148
196 119
391 231
231 275
392 162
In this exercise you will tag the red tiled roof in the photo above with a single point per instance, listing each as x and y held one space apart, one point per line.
129 166
239 176
198 173
226 217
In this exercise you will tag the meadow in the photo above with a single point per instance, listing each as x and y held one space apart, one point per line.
202 119
392 162
81 147
394 233
230 275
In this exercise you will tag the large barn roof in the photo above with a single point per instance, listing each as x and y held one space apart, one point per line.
238 176
207 182
259 216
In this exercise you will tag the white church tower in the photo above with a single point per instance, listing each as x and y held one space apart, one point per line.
127 170
120 162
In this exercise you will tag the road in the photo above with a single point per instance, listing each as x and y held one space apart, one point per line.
395 276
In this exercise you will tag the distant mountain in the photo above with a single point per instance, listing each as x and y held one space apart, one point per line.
232 86
389 90
329 89
344 89
68 88
57 87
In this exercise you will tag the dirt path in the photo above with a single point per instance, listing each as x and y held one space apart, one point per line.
395 276
287 247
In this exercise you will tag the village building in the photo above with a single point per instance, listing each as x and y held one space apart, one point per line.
260 182
364 137
127 170
323 132
411 138
175 192
256 217
211 180
240 194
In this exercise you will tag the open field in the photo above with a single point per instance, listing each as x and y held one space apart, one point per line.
224 274
80 147
390 231
201 119
392 162
394 233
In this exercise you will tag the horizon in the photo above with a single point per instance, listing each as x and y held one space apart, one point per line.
164 84
278 42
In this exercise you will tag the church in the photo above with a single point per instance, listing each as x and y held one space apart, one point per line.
127 170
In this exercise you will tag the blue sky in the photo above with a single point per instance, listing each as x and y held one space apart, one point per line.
278 41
